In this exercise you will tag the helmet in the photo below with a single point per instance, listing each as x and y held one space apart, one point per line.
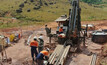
35 37
47 49
41 37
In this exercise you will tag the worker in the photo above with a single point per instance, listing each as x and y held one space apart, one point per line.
34 45
61 29
43 55
57 31
41 43
19 35
48 30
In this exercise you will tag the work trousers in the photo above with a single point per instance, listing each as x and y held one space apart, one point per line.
34 52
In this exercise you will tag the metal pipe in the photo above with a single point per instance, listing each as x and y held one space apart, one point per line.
93 62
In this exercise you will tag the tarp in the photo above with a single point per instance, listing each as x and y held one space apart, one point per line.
12 36
28 41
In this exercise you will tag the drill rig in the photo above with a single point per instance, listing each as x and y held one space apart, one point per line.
71 26
73 35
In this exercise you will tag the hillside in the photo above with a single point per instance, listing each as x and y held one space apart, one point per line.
49 11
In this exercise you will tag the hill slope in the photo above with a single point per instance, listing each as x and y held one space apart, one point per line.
50 12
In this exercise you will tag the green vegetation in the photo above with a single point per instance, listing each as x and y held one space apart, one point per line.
50 12
19 24
93 13
93 1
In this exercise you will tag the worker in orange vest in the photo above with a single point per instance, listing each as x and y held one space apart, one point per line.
19 36
34 45
43 55
61 29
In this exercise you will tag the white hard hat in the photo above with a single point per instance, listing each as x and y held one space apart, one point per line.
45 62
47 49
41 37
35 37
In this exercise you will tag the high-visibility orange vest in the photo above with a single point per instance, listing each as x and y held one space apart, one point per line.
60 29
34 43
74 34
44 53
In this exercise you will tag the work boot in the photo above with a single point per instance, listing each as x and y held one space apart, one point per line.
33 59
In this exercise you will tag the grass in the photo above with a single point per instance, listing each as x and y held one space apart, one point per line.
20 24
92 13
50 13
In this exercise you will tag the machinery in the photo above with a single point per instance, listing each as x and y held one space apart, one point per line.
99 37
70 37
72 34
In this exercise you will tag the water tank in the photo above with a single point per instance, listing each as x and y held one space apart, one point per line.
99 37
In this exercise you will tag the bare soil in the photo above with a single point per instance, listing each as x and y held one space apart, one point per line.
19 52
83 58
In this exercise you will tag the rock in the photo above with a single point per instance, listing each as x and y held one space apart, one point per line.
54 2
25 1
53 12
31 0
12 7
36 5
19 10
51 3
57 7
28 10
36 8
21 5
46 4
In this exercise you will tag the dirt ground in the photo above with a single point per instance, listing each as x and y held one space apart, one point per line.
19 52
83 58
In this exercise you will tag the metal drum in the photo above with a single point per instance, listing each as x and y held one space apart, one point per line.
105 30
99 37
